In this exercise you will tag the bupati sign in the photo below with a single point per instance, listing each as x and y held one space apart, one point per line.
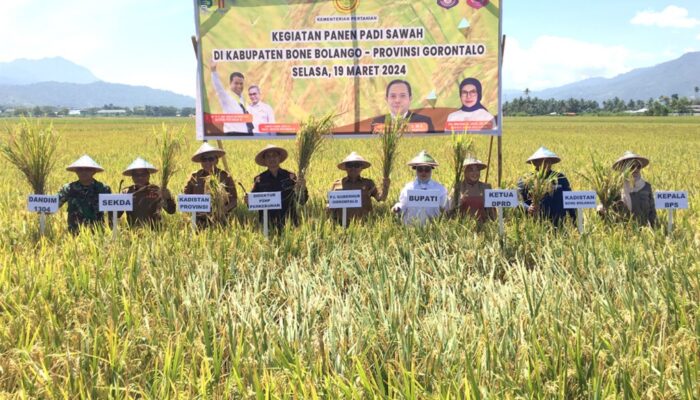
423 198
265 65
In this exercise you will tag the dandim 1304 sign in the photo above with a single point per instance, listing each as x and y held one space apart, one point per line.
266 65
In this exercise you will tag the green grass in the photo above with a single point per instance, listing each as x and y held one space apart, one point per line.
377 311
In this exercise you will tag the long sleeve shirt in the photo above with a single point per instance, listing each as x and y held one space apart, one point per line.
421 215
230 104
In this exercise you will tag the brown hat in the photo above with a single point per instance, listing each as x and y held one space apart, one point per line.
630 159
473 161
270 147
356 158
207 149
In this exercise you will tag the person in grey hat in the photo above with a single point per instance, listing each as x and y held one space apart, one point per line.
83 195
552 205
423 164
149 199
636 195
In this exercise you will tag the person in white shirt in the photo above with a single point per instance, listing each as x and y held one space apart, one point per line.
232 103
423 164
470 93
262 112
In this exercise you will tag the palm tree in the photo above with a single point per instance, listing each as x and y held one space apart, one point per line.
527 92
697 89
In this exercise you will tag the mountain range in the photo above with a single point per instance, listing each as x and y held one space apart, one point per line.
679 76
61 83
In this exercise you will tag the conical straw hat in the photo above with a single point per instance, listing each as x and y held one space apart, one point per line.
354 157
139 163
473 161
207 149
84 162
543 153
423 159
259 158
630 158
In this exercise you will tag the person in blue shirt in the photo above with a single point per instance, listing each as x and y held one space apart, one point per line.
552 205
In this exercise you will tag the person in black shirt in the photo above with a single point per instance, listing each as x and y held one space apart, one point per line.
276 179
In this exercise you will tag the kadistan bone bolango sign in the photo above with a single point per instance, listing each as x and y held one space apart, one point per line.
266 65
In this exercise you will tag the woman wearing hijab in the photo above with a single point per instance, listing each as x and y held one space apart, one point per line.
470 94
636 196
471 199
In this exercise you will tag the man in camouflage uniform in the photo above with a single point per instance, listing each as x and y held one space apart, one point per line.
82 195
148 199
353 166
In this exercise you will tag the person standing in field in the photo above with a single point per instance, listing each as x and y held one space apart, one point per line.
262 112
471 199
353 165
233 103
636 196
83 195
149 199
423 164
552 204
277 179
200 182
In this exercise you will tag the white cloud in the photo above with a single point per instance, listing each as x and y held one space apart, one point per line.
554 61
670 17
698 36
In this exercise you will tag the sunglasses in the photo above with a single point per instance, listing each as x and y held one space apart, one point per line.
208 159
423 169
353 165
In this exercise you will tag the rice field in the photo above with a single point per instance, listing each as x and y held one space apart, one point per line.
376 311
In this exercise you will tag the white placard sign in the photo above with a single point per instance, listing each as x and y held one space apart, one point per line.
43 203
116 202
265 201
579 199
671 200
193 203
423 199
345 199
498 198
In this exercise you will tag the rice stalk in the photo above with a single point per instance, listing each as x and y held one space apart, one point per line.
309 139
540 183
169 143
219 200
390 138
31 148
607 182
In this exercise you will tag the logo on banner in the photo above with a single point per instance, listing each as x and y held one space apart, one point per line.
346 6
206 3
447 3
477 3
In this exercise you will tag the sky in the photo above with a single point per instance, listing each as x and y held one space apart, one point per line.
148 42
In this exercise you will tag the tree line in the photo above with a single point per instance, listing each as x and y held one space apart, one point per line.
51 111
664 105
